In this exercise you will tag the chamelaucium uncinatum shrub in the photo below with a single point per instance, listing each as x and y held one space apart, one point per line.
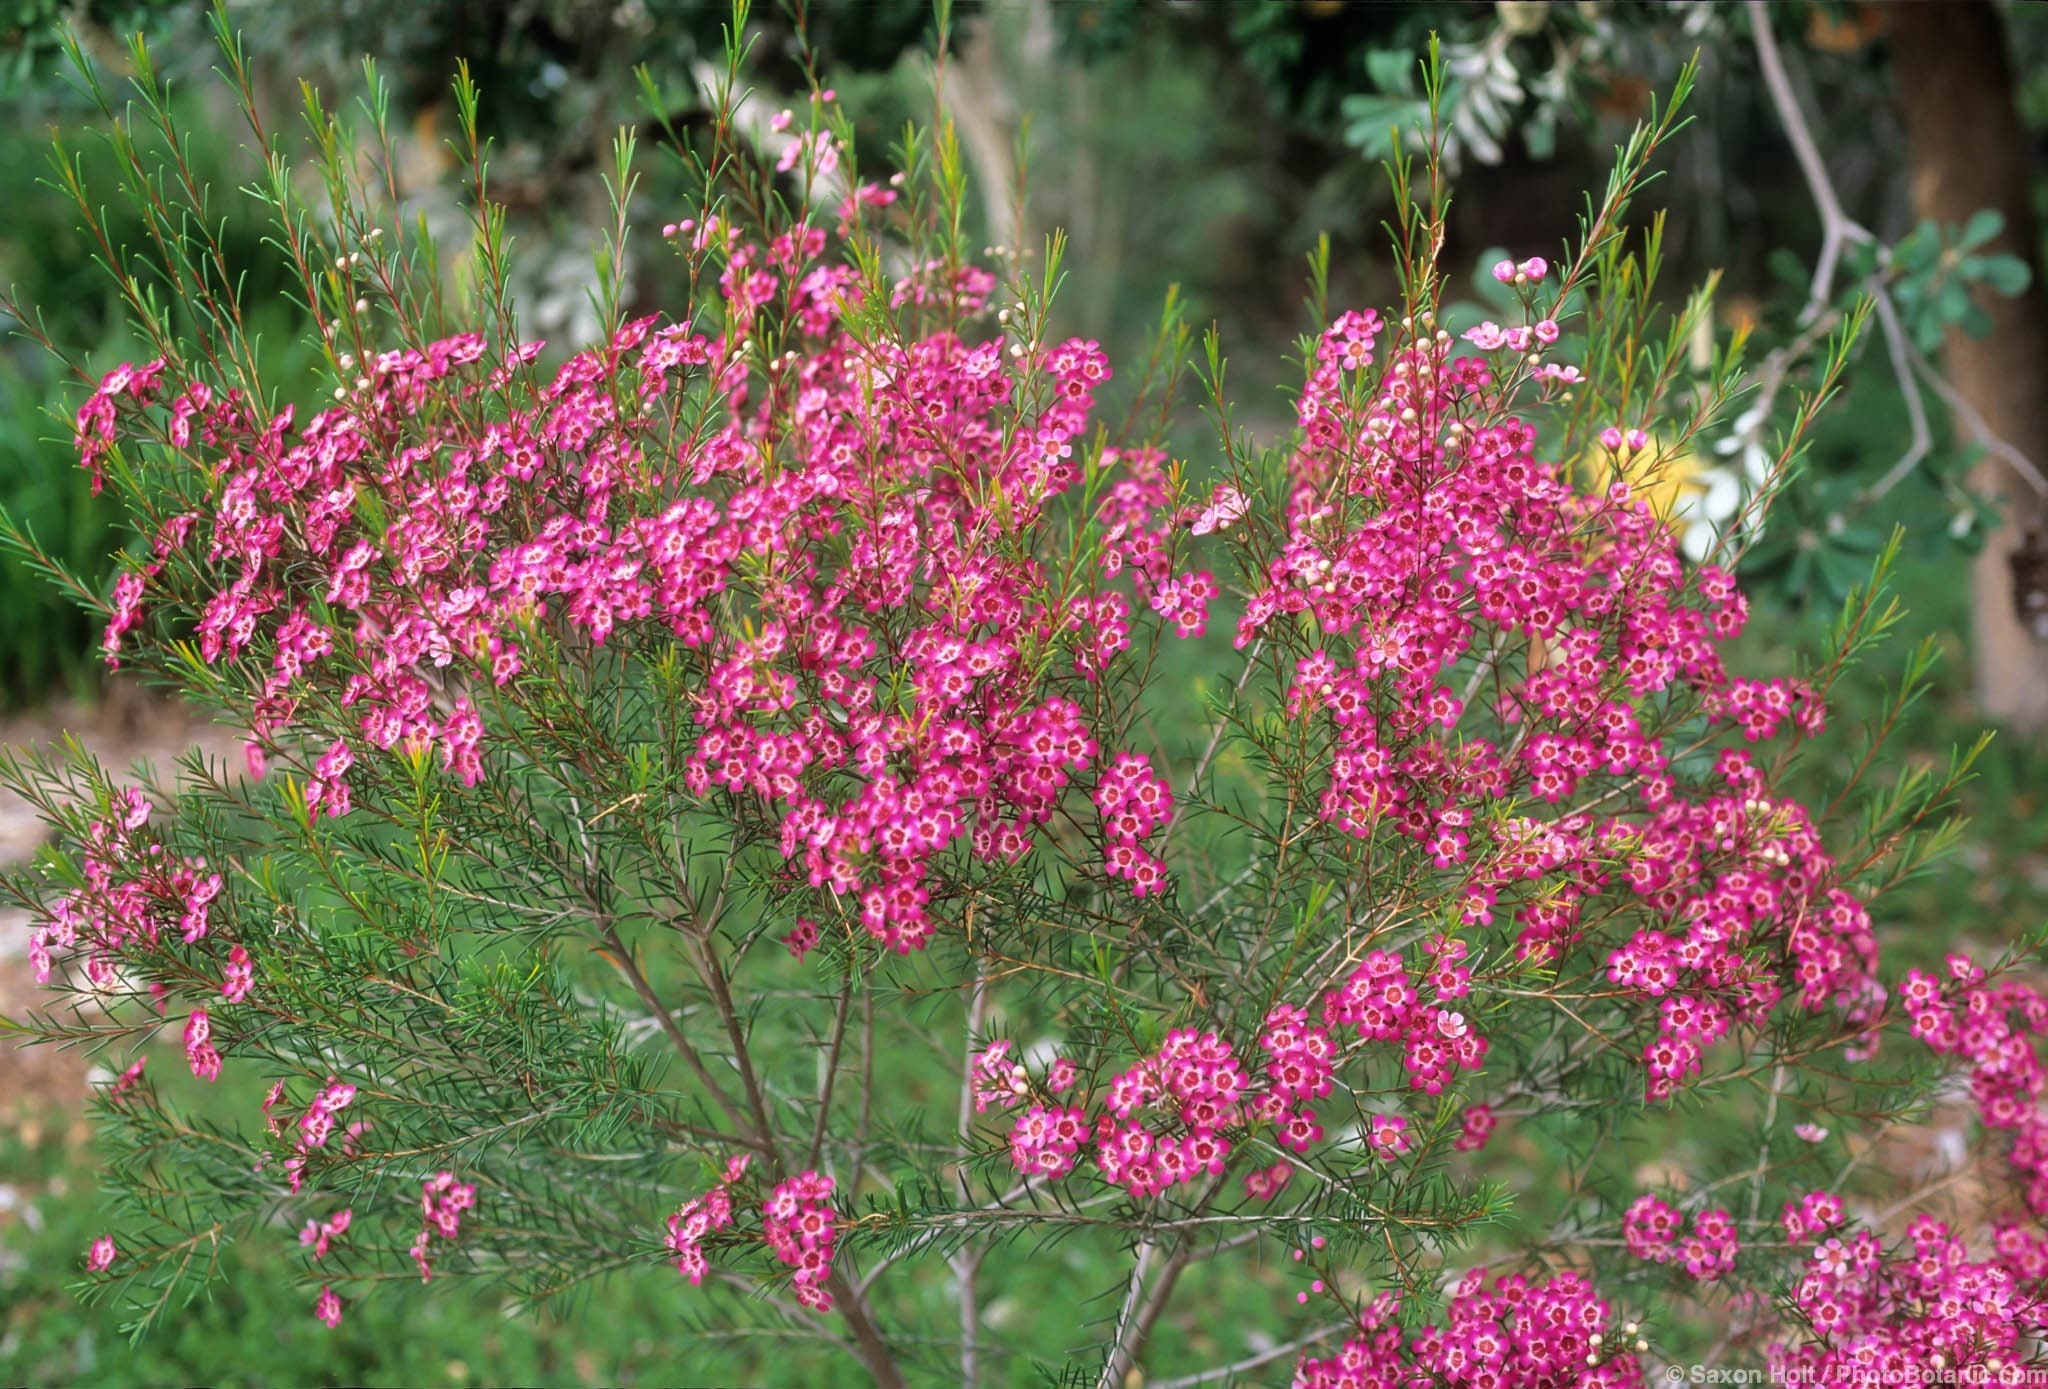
726 799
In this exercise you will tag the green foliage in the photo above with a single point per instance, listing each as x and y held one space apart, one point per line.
33 33
252 1329
46 639
499 1007
54 288
1934 272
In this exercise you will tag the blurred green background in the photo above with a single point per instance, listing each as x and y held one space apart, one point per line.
1203 146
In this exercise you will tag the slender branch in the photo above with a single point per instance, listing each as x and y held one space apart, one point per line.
966 1263
1156 1299
873 1350
622 960
1837 229
1763 1152
1976 424
1140 1315
1922 441
1251 661
706 960
1118 1363
852 1306
1253 1362
830 1075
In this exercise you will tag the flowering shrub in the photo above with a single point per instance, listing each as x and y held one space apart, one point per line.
681 768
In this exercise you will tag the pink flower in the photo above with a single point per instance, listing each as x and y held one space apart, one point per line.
327 1308
802 937
442 1202
319 1234
199 1050
1477 1124
240 976
1226 507
101 1256
129 1078
1387 1137
801 1228
327 790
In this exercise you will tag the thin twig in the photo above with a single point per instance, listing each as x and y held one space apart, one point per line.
1118 1362
1975 422
1253 1362
829 1076
1837 229
966 1263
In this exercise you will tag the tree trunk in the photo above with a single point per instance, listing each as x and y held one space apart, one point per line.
1967 151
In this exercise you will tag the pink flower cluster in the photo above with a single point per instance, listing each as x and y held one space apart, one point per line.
135 893
1380 1001
1513 1333
698 1217
1045 1140
1425 534
1811 1216
997 1077
98 419
125 1083
802 937
1194 1083
1476 1127
1212 1100
239 976
1923 1313
442 1202
316 1125
1134 802
327 790
1300 1055
200 1052
798 1223
1655 1231
1227 506
1347 344
1991 1025
541 514
801 1228
319 1234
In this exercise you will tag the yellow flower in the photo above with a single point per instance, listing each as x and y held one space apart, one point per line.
1697 497
1673 483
